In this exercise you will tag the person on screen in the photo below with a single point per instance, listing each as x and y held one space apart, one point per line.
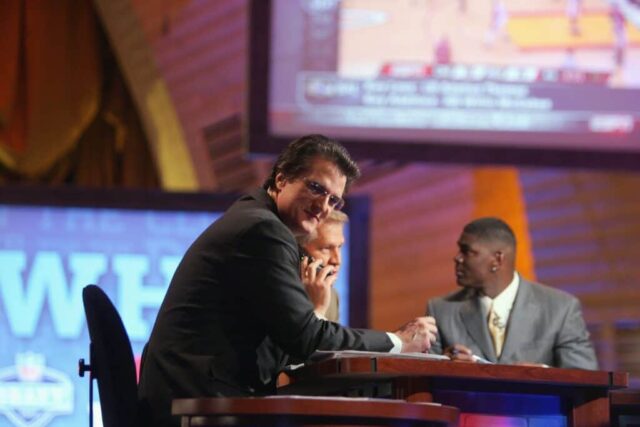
442 51
618 25
497 24
500 317
573 10
239 285
323 249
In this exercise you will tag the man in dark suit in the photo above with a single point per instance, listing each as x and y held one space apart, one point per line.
499 316
239 285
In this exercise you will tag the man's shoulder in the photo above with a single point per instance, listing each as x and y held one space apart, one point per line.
256 204
252 216
446 307
256 216
455 297
547 293
251 209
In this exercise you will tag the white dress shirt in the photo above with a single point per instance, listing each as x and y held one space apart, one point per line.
502 303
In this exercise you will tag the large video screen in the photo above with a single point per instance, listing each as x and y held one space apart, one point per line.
53 243
450 79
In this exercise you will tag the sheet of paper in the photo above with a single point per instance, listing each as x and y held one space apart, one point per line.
322 355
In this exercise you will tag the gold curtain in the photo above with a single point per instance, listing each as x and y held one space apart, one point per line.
11 87
53 80
65 113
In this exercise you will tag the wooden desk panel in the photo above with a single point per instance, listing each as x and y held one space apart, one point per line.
298 411
578 397
625 408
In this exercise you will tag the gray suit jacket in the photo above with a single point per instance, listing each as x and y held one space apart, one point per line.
545 326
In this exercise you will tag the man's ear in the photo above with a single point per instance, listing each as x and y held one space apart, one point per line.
499 257
280 181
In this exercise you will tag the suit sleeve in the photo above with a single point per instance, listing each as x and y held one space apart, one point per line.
574 348
266 266
436 347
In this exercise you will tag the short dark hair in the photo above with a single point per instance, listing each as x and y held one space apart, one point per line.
294 161
491 229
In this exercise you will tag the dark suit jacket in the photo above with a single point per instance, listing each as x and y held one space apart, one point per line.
545 326
237 284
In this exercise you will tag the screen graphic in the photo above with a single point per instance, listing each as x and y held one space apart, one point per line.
48 254
549 74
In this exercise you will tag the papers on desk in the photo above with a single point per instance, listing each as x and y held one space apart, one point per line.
320 355
323 355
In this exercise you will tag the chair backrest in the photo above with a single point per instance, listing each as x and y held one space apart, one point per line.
112 362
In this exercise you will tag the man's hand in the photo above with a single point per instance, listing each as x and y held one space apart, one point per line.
418 334
318 284
459 353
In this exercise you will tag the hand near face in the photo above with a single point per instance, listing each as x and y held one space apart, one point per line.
418 334
317 284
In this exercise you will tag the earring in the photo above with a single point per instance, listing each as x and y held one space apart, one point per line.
494 269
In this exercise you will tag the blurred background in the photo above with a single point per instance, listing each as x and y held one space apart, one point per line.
175 96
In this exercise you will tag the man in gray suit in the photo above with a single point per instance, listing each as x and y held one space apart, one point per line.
500 317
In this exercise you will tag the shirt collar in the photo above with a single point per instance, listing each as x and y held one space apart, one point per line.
503 303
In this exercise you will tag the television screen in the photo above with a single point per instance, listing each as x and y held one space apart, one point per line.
487 81
55 242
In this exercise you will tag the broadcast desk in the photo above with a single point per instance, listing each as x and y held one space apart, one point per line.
485 394
293 411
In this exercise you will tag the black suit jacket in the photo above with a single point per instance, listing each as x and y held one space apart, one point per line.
237 285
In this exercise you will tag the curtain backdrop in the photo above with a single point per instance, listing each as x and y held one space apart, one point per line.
65 113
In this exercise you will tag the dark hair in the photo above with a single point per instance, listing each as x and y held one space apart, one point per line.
491 229
295 160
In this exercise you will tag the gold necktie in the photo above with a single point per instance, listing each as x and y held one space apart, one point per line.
497 330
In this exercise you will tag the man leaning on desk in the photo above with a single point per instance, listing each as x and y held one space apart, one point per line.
239 285
500 317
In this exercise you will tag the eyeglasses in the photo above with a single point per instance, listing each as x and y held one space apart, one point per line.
318 190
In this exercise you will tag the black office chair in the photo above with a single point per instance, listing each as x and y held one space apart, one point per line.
111 361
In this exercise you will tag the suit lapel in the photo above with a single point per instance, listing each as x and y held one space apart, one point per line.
476 326
520 321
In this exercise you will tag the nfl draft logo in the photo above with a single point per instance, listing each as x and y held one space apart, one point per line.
32 394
